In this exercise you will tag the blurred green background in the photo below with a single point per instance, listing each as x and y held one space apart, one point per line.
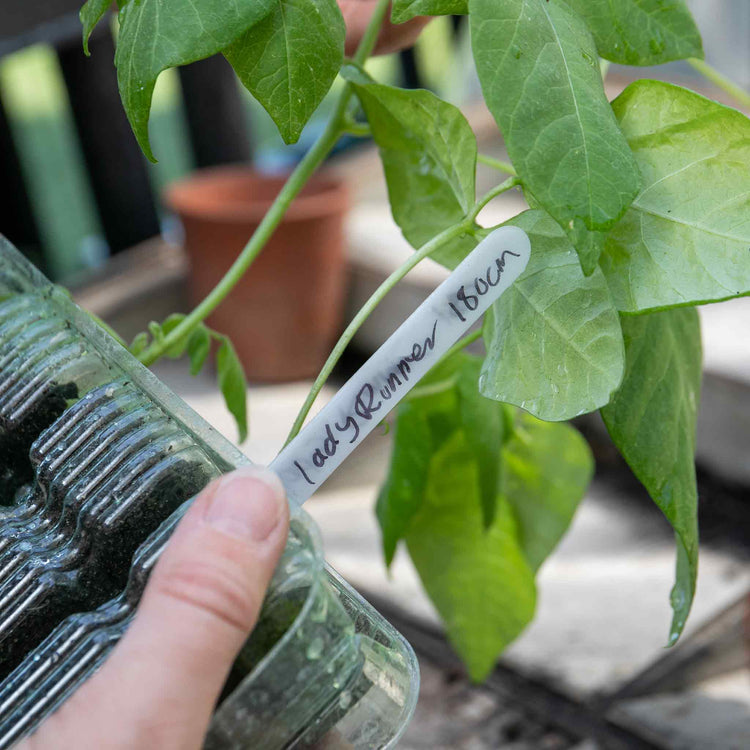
35 98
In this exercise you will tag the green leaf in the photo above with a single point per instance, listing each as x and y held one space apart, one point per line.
139 344
160 34
588 244
176 350
641 32
446 400
403 10
90 14
155 329
478 571
539 73
198 348
288 61
482 423
546 470
652 421
403 492
478 579
554 344
686 238
233 385
429 156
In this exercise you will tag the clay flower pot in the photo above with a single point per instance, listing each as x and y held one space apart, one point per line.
392 37
284 315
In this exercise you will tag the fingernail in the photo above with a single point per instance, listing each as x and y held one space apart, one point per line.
247 504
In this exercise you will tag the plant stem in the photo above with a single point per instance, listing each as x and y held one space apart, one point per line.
448 234
462 227
604 67
358 130
720 80
470 338
297 180
262 234
509 184
501 166
370 37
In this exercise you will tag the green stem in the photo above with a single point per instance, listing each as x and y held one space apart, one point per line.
462 227
453 231
470 338
501 166
297 180
262 234
358 130
367 44
509 184
720 80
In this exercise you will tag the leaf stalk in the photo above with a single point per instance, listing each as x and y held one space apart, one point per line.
294 184
465 226
501 166
721 81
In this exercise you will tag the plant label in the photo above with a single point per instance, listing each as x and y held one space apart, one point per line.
399 364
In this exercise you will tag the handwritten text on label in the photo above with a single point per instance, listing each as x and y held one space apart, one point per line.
410 352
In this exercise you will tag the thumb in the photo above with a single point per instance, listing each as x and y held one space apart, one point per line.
200 603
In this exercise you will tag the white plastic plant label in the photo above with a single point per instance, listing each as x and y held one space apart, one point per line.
398 365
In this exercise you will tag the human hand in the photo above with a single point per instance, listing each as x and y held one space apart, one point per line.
159 685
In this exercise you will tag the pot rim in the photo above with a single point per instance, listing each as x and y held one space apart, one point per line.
324 194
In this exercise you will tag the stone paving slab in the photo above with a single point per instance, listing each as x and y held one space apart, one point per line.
603 610
714 714
452 714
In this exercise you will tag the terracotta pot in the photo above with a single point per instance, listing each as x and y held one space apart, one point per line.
392 37
285 313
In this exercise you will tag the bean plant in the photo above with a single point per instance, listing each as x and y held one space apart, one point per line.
640 211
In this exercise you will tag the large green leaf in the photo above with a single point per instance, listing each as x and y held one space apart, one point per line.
160 34
90 14
538 67
429 156
652 422
478 579
554 345
288 61
546 470
686 238
447 400
641 32
403 10
478 570
233 385
482 423
403 492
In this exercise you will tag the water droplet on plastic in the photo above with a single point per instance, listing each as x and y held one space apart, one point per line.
319 613
315 649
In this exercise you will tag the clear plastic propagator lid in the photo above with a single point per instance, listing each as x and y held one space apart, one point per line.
98 461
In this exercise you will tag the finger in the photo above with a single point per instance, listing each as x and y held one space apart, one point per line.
202 600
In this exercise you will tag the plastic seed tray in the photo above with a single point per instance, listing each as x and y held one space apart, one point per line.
98 462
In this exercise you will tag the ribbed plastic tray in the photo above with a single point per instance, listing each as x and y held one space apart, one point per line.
98 461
